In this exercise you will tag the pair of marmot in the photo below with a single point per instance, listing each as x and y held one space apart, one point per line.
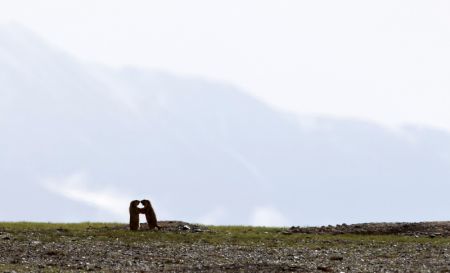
135 211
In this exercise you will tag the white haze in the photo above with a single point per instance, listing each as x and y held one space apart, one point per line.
75 187
386 61
79 141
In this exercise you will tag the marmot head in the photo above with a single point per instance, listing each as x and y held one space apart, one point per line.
146 203
134 203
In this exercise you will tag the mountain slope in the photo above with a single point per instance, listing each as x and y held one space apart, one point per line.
79 141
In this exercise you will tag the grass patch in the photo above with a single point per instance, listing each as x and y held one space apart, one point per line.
216 235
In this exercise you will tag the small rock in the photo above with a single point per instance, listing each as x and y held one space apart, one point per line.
324 268
51 253
336 258
185 227
61 230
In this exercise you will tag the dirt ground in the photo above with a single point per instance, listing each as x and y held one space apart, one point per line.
183 247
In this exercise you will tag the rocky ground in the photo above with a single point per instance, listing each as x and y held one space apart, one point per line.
182 247
430 229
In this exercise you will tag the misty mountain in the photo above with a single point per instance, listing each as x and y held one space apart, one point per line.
79 141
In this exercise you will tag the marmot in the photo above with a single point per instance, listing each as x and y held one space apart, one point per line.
149 214
134 215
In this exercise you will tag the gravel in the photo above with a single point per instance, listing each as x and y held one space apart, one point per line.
35 251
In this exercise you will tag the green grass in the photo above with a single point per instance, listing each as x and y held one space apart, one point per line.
235 235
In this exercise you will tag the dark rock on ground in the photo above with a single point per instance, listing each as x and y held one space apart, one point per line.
430 229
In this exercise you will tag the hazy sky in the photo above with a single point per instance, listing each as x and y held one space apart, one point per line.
385 60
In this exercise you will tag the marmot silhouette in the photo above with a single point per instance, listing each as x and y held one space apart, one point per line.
134 215
149 214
